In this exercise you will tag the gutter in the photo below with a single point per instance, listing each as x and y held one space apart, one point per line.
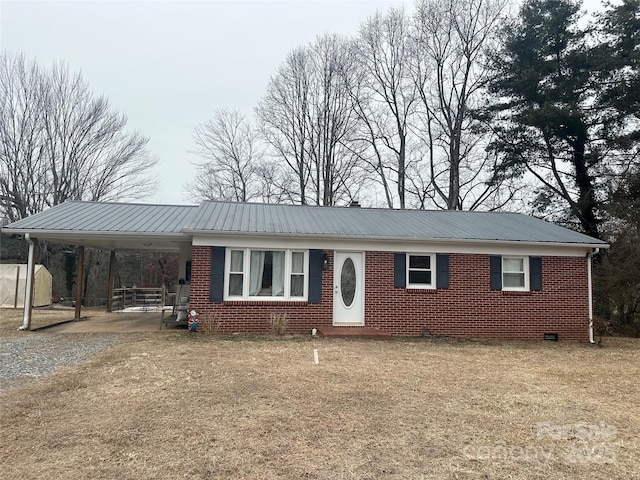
377 238
92 233
28 294
590 255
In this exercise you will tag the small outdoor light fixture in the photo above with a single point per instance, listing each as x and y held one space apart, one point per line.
325 260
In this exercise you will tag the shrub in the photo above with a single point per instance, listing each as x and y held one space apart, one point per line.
601 328
278 323
210 323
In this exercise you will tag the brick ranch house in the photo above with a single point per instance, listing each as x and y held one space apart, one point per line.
405 272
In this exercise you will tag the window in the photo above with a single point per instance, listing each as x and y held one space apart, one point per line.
236 273
297 274
515 273
421 271
266 274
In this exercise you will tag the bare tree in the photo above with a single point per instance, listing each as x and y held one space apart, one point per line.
283 115
307 119
59 142
386 98
451 41
333 150
21 139
231 156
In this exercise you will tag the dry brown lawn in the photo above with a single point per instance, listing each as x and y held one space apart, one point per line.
175 405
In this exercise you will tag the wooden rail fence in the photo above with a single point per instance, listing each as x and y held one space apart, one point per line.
144 298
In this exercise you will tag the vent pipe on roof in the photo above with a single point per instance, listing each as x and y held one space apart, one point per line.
354 204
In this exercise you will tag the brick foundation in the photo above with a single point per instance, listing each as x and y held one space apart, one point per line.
468 308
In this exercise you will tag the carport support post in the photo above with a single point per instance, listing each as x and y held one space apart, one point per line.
112 276
79 275
28 292
17 292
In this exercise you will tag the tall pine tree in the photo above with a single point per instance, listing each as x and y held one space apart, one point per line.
617 64
541 111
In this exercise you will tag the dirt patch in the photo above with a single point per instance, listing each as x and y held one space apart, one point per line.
180 405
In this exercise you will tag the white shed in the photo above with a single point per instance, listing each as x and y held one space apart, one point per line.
13 279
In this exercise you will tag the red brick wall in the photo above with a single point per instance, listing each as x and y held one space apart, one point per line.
468 308
254 316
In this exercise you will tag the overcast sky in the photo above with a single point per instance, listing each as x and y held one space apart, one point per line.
169 65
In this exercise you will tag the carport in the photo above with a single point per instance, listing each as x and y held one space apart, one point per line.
107 226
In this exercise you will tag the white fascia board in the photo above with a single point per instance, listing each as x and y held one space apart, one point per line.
394 245
42 233
111 240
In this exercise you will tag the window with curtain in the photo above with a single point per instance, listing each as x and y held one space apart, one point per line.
514 273
236 273
297 274
267 274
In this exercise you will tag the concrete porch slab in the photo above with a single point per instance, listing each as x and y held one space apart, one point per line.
352 332
124 322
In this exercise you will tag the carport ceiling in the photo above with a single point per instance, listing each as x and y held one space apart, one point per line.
118 241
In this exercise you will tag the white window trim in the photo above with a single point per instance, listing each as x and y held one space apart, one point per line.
525 266
422 286
287 275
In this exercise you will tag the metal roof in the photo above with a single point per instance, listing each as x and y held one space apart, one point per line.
109 225
335 222
126 225
109 217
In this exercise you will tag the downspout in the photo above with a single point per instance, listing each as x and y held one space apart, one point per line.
590 289
28 294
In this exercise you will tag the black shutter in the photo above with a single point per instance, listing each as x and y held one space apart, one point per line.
442 270
535 273
400 270
496 273
216 276
315 276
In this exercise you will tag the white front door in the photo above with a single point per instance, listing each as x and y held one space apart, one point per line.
348 288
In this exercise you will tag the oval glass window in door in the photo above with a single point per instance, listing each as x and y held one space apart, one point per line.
348 282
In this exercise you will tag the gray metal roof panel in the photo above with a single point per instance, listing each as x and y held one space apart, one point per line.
108 217
253 218
271 219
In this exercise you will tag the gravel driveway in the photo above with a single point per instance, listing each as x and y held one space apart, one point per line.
36 355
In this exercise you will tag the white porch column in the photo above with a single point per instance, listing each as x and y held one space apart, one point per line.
28 293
